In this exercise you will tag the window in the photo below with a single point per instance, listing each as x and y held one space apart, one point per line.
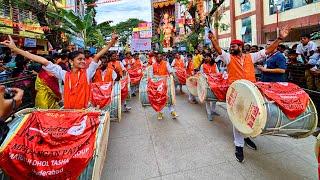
246 31
245 5
285 5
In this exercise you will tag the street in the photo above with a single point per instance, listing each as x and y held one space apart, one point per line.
191 147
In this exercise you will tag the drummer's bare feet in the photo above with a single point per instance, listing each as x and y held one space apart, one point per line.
239 154
160 116
192 101
174 115
250 143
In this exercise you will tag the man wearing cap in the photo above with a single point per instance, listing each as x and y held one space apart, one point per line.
241 66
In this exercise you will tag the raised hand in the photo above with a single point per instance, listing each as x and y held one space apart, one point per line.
211 36
114 37
9 43
284 31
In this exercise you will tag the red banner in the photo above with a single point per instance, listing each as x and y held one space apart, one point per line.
135 75
290 98
100 95
157 93
218 85
51 145
124 88
181 74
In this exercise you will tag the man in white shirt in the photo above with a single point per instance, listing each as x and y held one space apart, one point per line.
307 49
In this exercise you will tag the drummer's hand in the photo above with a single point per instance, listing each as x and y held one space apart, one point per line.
261 68
6 104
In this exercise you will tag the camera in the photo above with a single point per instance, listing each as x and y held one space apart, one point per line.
8 93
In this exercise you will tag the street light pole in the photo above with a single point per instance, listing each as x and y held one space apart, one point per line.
277 3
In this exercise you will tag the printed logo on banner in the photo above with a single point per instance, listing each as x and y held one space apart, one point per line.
54 145
252 115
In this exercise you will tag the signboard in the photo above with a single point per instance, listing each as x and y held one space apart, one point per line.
146 34
29 42
140 45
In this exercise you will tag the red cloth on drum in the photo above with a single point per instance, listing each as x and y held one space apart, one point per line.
124 88
135 74
290 98
218 86
157 93
51 144
181 74
100 94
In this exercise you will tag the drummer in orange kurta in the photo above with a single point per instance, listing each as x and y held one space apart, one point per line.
241 66
76 89
162 68
178 62
209 68
115 64
105 73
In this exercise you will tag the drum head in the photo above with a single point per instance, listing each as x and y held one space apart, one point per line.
192 83
246 108
202 88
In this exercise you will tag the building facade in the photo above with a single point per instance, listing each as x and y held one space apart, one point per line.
257 21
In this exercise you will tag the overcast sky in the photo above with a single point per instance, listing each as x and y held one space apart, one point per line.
123 10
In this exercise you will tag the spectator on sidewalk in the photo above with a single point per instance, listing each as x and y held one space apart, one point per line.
307 50
274 67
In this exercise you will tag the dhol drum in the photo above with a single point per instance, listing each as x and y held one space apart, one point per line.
115 106
93 170
176 78
143 94
204 91
146 72
253 114
192 85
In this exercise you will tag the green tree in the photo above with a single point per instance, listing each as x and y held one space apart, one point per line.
124 29
76 26
91 6
197 28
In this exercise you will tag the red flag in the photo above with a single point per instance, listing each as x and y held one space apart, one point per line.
51 145
101 94
290 98
157 93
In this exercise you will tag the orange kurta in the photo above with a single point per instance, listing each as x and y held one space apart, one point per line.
160 69
116 66
76 90
179 63
106 78
241 70
129 62
209 69
190 68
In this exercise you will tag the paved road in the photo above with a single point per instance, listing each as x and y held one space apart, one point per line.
191 147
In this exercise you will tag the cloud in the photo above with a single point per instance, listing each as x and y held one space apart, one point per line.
123 10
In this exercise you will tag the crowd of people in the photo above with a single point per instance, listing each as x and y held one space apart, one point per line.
75 70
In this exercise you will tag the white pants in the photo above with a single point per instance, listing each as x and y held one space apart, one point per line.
170 107
238 138
134 89
211 107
